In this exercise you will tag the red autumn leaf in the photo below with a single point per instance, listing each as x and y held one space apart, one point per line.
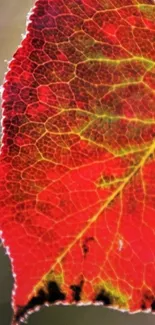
77 168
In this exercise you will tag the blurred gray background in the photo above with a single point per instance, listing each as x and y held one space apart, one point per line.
12 25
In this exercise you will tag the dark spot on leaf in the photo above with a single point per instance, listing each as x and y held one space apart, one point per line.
148 301
153 305
104 297
85 245
143 305
53 294
76 289
39 300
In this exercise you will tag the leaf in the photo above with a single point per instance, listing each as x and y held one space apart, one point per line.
77 168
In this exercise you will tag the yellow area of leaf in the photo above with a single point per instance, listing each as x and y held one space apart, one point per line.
118 298
57 276
104 182
148 11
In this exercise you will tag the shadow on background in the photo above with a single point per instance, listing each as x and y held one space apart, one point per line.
63 315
